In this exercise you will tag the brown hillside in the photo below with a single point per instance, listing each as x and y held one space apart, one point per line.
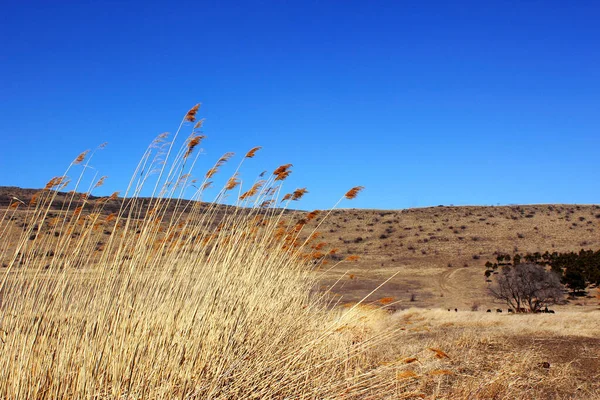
438 253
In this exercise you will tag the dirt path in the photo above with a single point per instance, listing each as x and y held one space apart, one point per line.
447 287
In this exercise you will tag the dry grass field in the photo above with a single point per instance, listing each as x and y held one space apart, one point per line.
437 254
160 297
495 356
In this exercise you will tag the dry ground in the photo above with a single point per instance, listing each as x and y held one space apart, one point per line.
500 356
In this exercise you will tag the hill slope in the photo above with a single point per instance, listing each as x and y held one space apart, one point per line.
438 253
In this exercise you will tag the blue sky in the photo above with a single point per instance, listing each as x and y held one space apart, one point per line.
423 103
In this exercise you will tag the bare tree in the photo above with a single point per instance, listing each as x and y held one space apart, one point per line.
528 285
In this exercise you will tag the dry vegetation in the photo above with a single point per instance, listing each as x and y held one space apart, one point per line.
165 298
499 356
160 297
439 253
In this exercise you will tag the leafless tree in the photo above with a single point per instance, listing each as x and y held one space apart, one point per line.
528 285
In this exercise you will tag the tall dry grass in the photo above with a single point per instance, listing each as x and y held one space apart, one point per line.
167 298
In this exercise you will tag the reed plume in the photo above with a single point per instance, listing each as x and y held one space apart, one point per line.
299 193
253 151
211 172
312 215
192 143
199 124
80 157
100 181
253 190
232 182
191 115
171 298
352 193
282 172
55 182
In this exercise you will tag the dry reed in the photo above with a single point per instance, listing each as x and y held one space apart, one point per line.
181 299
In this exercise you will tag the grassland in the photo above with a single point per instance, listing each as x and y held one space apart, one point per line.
164 297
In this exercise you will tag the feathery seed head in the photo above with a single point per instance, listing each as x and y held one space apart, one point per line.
352 193
100 182
211 172
54 182
266 203
159 139
312 215
271 191
287 196
192 143
225 158
298 193
34 200
191 115
283 176
199 124
253 190
282 172
232 182
253 151
81 157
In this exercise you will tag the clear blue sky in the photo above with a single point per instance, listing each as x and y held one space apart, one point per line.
423 103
